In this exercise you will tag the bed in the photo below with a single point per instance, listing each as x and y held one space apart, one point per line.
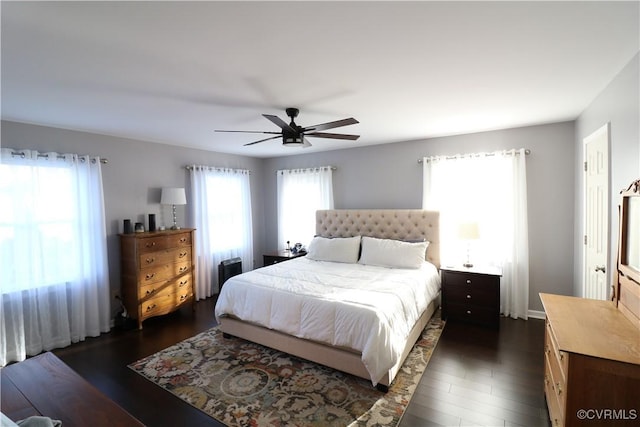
333 320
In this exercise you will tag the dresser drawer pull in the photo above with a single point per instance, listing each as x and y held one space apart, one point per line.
559 388
183 240
150 244
468 311
149 292
182 283
182 254
183 269
150 260
468 296
468 281
561 356
151 307
547 349
546 380
183 297
150 276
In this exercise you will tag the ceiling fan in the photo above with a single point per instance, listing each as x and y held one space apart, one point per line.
294 135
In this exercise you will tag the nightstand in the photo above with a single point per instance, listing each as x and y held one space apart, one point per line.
279 256
471 295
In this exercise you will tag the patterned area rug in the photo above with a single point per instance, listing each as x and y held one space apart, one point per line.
244 384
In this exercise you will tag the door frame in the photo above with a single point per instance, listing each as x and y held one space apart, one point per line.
606 128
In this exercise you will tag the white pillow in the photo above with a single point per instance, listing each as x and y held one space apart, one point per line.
339 249
392 253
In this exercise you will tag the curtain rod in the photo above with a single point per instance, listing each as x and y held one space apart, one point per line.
23 154
308 169
217 168
526 152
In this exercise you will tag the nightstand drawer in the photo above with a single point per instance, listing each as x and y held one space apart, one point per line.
478 281
472 314
474 294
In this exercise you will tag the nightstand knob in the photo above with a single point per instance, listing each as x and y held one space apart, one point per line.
468 296
468 281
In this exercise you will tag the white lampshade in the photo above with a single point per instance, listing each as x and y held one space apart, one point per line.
468 231
173 196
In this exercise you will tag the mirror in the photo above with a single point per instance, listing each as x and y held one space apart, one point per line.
632 233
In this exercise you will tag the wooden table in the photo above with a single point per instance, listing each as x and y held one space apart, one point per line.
43 385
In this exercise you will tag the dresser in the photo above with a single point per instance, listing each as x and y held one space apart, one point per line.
471 295
592 363
279 256
158 272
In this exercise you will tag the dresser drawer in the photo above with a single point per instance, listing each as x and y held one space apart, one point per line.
177 284
557 378
152 259
163 272
164 303
551 347
556 412
152 244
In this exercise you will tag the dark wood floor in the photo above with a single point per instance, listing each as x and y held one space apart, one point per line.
476 376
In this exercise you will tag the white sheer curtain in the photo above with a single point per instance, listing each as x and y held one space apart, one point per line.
221 214
54 276
301 192
489 190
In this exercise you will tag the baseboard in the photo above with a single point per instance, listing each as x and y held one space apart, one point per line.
536 314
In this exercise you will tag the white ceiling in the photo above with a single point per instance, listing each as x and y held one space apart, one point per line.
173 72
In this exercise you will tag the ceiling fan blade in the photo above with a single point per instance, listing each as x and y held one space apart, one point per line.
279 122
262 140
332 135
249 131
331 125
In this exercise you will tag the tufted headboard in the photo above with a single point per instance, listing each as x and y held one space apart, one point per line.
400 224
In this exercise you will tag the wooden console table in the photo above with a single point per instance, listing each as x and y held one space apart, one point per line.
44 385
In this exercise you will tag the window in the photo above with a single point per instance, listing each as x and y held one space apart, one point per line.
223 221
488 190
54 274
301 192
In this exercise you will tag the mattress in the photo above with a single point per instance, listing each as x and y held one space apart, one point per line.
368 309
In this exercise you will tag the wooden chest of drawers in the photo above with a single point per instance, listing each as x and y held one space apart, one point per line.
592 363
471 295
158 272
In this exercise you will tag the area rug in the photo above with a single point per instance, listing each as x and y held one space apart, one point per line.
240 383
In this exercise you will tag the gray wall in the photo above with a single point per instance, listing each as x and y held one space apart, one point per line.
619 105
389 176
135 174
382 176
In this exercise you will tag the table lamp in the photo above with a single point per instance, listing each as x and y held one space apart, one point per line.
173 197
468 231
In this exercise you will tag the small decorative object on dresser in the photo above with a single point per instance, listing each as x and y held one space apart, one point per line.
158 272
279 256
471 295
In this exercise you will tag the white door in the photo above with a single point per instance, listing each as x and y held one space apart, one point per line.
596 225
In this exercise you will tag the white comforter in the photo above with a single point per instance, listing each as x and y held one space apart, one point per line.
366 308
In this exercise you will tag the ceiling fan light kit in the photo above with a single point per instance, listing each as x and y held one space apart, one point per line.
294 135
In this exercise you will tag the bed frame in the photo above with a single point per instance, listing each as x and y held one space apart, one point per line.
402 224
